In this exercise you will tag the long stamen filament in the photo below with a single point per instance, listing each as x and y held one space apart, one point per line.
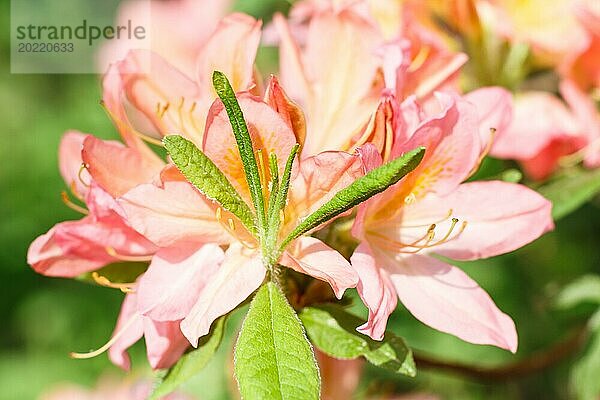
108 344
71 205
104 281
113 253
428 237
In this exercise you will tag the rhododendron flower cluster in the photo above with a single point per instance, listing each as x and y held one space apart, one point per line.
353 169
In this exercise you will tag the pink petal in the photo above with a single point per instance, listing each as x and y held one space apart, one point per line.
316 180
539 118
48 258
375 290
164 343
268 130
339 100
241 273
165 96
115 167
169 288
113 92
292 71
74 247
173 213
231 49
69 161
451 137
588 116
312 257
445 298
494 107
500 217
289 111
130 329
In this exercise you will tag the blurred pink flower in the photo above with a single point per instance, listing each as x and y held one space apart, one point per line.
543 131
177 30
550 28
339 378
109 388
180 220
431 212
582 65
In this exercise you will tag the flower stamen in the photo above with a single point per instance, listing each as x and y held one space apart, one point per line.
81 168
113 253
71 205
108 344
104 281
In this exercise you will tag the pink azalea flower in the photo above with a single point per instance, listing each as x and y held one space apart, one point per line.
337 92
179 219
340 102
102 236
161 100
112 170
544 130
176 29
432 212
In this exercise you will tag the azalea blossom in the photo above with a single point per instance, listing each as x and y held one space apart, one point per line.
102 236
177 30
161 100
546 131
432 212
340 102
181 220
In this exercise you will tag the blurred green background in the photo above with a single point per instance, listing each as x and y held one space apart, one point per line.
43 319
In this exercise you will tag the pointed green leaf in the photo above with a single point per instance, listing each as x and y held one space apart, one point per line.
279 202
333 331
273 358
190 363
201 172
569 192
375 181
244 142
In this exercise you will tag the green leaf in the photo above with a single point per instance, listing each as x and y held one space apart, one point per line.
190 363
244 142
585 289
365 187
201 172
273 358
571 191
333 331
281 197
584 375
